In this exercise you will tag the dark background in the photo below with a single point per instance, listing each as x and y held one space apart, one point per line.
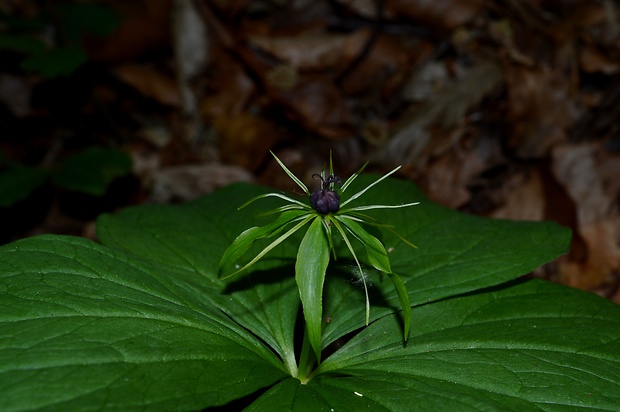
506 109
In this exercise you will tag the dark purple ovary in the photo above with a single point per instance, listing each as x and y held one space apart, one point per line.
325 201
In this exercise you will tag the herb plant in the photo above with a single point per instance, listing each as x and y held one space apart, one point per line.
90 171
143 321
64 26
323 213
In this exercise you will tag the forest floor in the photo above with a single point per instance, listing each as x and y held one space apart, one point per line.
504 109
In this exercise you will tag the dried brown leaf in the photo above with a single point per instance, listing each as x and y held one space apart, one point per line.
366 8
447 14
445 108
448 178
244 140
598 221
593 61
385 68
230 88
317 104
151 82
525 200
305 52
188 182
145 27
541 109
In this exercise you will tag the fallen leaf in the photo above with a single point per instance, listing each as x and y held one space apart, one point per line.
444 109
386 67
229 89
448 178
598 221
151 82
525 200
317 104
304 52
145 27
188 182
446 14
592 60
541 110
244 139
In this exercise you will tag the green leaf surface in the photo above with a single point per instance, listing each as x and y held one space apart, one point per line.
18 182
361 190
247 238
456 250
83 327
61 61
377 255
310 267
194 237
191 238
405 304
21 44
532 346
80 18
456 253
144 322
92 170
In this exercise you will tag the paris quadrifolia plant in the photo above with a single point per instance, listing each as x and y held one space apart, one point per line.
327 216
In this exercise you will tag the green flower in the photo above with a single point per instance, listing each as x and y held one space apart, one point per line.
326 215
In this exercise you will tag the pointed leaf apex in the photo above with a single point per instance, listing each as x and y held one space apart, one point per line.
291 175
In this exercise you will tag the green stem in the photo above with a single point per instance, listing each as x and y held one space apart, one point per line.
306 359
290 363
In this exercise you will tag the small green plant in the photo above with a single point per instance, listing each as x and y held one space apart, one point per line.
90 171
323 213
143 320
62 53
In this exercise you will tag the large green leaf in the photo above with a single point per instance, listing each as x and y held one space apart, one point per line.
82 327
193 237
532 346
456 253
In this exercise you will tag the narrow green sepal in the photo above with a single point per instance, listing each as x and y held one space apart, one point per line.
352 178
291 175
377 255
245 240
343 233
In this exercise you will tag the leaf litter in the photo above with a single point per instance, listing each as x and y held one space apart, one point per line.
504 109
